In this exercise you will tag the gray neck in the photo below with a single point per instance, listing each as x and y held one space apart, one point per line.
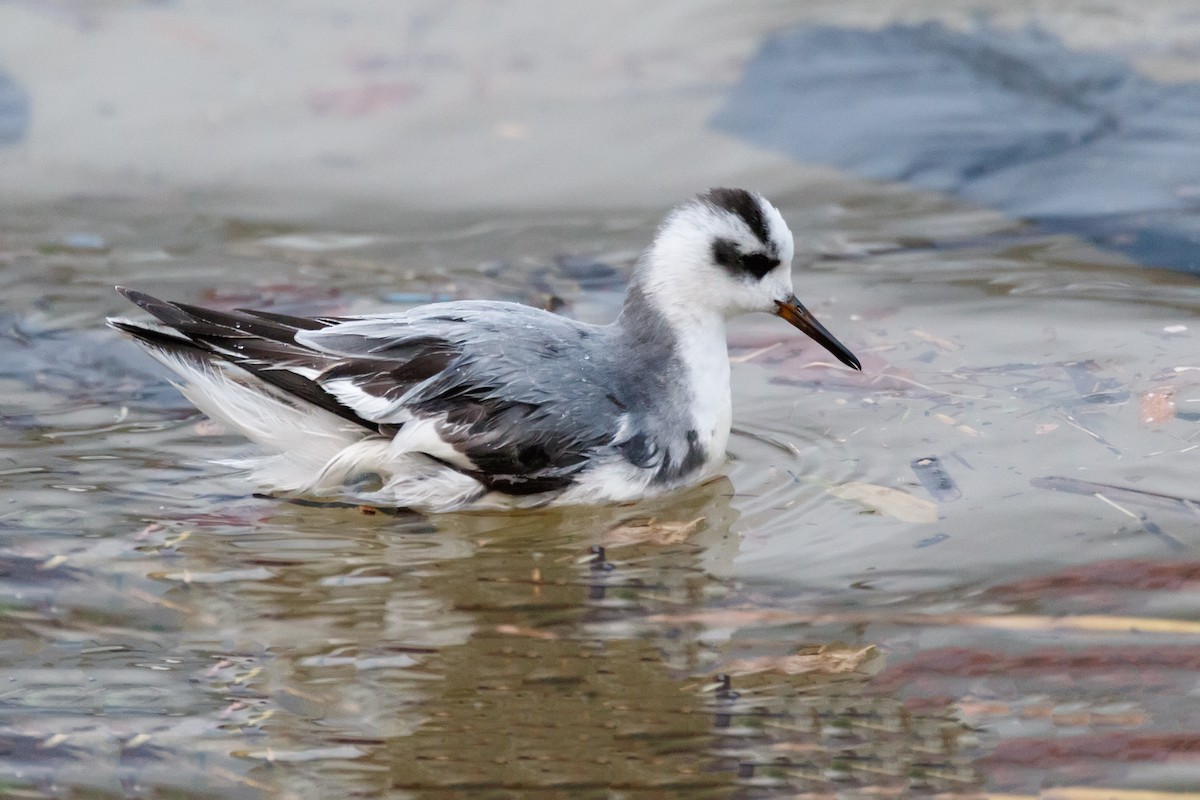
643 326
684 349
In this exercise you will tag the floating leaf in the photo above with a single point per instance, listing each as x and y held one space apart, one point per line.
946 419
885 500
944 344
1158 407
650 531
826 660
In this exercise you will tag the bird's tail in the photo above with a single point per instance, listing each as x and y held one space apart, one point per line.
302 438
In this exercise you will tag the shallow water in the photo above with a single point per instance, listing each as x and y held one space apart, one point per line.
1009 624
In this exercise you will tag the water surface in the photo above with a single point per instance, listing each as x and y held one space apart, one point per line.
1010 608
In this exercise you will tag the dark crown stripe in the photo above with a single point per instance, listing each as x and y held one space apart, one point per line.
744 205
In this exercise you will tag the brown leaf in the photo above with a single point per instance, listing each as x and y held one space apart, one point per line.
650 531
885 500
946 419
732 618
1157 407
944 344
827 660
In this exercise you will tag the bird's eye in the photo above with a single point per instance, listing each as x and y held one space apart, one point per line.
758 264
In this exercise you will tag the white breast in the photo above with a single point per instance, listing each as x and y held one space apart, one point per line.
706 359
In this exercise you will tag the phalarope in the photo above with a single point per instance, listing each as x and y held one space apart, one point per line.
490 404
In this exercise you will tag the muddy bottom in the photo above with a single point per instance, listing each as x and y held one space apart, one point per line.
974 566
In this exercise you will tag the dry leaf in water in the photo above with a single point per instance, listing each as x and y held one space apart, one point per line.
892 502
946 419
944 344
827 660
650 531
1156 408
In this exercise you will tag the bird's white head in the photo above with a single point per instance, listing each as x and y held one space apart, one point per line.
724 253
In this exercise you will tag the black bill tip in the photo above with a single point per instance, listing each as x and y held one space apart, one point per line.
799 316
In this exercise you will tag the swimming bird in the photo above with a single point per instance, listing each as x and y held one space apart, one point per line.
480 404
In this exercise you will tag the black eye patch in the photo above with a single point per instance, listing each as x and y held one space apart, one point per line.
759 264
727 255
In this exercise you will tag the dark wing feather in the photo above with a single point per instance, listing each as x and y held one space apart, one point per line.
263 347
298 323
515 396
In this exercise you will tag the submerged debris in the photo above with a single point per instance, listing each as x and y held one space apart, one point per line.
936 480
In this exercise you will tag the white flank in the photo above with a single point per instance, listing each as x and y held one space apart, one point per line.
315 452
245 404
